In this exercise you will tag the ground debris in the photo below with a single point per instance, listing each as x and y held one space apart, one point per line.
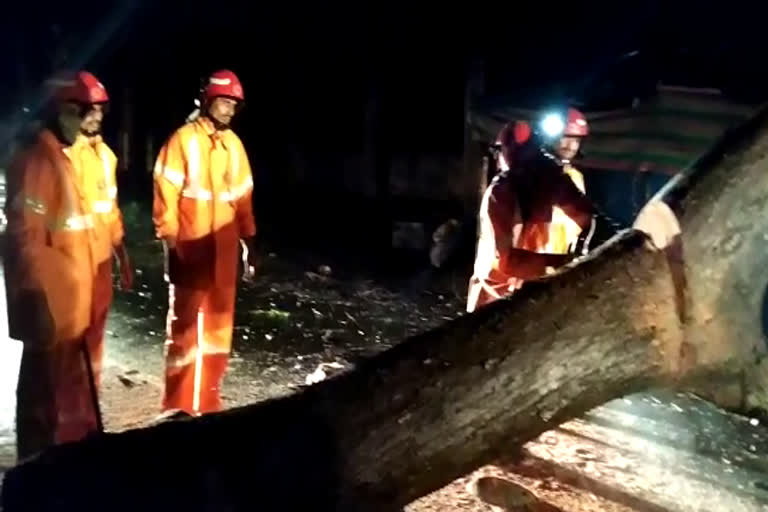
508 495
312 276
323 371
127 381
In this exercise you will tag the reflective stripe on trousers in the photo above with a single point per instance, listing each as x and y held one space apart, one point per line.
197 349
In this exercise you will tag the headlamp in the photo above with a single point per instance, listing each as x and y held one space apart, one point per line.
552 125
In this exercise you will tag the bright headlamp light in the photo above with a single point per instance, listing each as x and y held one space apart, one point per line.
552 125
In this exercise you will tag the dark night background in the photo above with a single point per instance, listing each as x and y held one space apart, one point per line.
336 93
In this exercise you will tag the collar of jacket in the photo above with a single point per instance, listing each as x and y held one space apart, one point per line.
83 140
54 151
95 140
207 126
51 144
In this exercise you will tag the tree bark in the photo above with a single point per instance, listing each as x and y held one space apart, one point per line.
443 403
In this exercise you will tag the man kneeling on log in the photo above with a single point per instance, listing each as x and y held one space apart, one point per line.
516 211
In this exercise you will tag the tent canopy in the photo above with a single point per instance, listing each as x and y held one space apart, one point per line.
661 134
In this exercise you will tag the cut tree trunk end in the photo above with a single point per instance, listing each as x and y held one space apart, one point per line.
443 403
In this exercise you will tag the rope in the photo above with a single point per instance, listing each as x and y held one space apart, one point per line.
615 224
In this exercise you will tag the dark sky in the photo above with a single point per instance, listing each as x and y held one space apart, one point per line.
399 42
303 44
310 69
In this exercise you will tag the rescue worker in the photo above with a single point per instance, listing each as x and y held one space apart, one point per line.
63 225
516 214
202 211
564 232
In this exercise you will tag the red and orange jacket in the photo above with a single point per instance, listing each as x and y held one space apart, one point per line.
52 247
516 213
203 193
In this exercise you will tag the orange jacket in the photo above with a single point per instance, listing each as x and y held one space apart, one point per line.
51 243
203 191
94 164
504 226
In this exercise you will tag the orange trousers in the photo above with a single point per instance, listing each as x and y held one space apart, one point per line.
197 350
54 403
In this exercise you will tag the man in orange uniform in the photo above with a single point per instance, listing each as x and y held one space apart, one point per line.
63 223
516 216
202 210
564 232
95 165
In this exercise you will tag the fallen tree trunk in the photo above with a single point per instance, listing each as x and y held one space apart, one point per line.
443 403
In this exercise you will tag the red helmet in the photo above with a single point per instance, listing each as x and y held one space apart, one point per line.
511 136
576 124
514 132
81 87
223 83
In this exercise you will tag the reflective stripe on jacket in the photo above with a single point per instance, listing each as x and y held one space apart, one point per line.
203 192
50 241
94 165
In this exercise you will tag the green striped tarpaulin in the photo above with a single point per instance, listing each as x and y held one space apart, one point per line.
663 134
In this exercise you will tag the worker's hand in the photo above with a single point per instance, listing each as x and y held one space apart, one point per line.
126 269
254 260
126 273
251 265
558 260
251 258
581 246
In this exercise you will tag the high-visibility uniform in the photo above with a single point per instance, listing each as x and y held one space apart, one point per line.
203 190
516 213
51 261
564 232
95 164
